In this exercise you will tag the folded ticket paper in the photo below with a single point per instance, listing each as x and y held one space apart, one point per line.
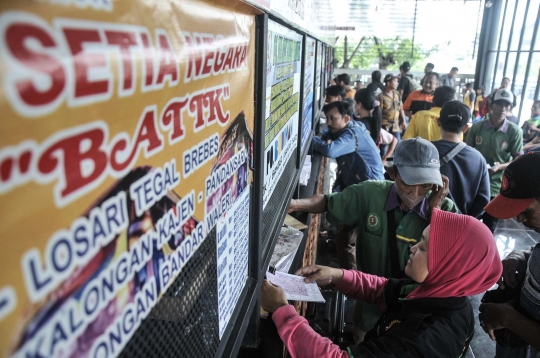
295 288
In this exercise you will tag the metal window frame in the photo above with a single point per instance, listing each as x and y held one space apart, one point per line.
510 37
520 46
490 55
302 152
500 42
529 60
486 44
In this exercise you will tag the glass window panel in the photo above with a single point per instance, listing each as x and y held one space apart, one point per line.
534 72
499 66
527 96
446 40
537 43
499 72
507 23
520 17
510 65
529 24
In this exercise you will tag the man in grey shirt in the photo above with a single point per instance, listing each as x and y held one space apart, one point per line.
450 78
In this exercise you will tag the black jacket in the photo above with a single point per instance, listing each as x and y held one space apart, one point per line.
374 85
426 327
372 125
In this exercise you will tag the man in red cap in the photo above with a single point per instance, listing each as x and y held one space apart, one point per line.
519 197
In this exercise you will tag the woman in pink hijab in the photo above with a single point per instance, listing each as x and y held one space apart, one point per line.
428 316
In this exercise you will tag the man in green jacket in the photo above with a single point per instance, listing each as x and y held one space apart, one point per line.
389 216
499 141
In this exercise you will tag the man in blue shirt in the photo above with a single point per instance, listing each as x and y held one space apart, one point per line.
464 166
350 144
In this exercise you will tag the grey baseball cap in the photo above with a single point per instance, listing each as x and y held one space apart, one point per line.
417 161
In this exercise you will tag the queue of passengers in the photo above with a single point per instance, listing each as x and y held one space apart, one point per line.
418 241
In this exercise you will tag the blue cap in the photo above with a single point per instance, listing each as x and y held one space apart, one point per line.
417 161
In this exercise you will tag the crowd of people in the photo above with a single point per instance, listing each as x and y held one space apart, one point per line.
422 180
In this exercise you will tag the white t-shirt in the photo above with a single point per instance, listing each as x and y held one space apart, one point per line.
386 137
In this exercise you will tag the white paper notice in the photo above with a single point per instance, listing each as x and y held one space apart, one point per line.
284 55
295 288
232 257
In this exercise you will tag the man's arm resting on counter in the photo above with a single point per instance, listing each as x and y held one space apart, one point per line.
315 204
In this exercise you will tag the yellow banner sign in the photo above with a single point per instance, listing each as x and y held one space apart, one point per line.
126 133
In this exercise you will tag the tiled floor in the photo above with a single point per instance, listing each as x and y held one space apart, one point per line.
510 235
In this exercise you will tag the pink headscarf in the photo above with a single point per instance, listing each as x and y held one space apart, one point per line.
462 258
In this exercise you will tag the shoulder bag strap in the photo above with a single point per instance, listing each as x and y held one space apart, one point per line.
392 245
451 154
355 139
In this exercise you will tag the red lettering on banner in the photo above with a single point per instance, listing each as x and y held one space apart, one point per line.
16 37
215 110
168 63
24 162
16 165
229 59
243 62
74 60
67 155
240 56
208 55
147 135
79 158
195 58
206 106
237 57
39 76
6 169
172 118
219 60
84 61
196 107
148 52
125 40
